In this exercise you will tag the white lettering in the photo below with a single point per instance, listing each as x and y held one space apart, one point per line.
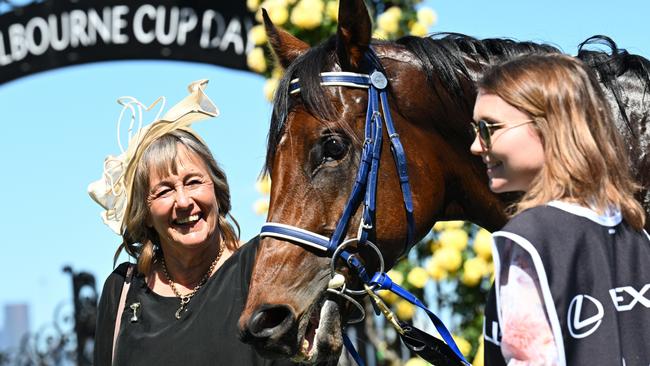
119 23
161 36
78 22
30 36
17 42
4 57
187 23
101 26
637 297
141 35
210 17
233 35
494 336
59 43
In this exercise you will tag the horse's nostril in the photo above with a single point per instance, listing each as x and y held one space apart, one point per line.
270 320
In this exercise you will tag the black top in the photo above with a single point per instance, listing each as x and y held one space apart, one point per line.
592 275
206 334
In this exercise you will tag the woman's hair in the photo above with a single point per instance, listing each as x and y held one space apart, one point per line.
139 240
585 159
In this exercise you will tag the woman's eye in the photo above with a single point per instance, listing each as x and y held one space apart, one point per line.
163 192
334 149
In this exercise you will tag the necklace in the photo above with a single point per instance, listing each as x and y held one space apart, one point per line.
186 298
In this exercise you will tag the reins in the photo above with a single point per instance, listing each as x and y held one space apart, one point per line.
365 191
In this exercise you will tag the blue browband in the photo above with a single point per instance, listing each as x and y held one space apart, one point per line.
365 190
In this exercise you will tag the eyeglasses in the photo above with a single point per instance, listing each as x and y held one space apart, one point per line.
485 129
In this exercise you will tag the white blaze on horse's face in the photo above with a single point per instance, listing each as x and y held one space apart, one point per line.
517 155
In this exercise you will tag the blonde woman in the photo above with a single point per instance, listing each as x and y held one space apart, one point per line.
179 303
572 273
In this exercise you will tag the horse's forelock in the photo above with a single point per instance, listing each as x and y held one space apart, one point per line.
307 68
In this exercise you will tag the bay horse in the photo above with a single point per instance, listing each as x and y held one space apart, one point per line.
316 138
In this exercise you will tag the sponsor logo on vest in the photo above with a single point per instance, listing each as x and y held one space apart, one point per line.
584 317
636 297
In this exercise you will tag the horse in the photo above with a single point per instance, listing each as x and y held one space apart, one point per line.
316 138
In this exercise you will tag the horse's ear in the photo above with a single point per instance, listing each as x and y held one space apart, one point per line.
285 46
353 34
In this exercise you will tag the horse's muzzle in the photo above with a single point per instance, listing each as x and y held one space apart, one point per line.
273 331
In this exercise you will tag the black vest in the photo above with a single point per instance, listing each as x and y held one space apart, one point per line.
595 282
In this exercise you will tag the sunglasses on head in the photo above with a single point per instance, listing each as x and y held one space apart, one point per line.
484 130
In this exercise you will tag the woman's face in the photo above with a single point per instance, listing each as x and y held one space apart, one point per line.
516 154
183 208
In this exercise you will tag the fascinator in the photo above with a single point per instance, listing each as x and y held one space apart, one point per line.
113 190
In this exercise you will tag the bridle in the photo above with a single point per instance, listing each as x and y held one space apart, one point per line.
364 191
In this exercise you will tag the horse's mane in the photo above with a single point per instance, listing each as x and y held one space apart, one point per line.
610 66
450 58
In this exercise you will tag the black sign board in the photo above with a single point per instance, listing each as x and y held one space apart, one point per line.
59 33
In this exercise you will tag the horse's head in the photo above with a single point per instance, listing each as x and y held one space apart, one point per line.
315 144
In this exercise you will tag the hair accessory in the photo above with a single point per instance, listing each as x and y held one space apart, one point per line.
113 190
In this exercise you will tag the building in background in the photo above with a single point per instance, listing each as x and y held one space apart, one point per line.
16 325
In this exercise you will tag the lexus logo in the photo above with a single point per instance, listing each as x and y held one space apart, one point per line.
585 315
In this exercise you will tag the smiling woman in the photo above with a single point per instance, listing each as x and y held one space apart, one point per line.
170 201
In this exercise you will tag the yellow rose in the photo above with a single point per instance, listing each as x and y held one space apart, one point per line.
313 5
388 296
277 73
448 258
418 29
455 238
483 244
256 60
463 345
394 11
269 92
277 10
418 277
473 271
380 34
444 225
416 361
257 34
253 5
404 310
396 276
305 15
427 17
263 185
388 21
332 10
435 271
261 206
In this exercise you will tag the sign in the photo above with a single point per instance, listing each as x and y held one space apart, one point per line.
60 33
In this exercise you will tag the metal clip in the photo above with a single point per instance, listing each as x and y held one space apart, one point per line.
390 316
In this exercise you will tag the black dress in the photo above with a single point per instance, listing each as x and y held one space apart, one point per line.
206 334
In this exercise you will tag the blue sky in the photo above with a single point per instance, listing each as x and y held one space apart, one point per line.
58 126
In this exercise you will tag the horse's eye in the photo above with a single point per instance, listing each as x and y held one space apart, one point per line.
333 148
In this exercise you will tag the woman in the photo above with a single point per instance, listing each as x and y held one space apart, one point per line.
572 274
169 200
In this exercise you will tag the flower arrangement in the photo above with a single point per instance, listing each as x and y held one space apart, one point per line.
452 270
313 21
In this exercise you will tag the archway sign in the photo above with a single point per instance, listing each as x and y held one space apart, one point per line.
56 33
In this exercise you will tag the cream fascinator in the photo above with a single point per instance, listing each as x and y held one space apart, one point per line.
113 190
